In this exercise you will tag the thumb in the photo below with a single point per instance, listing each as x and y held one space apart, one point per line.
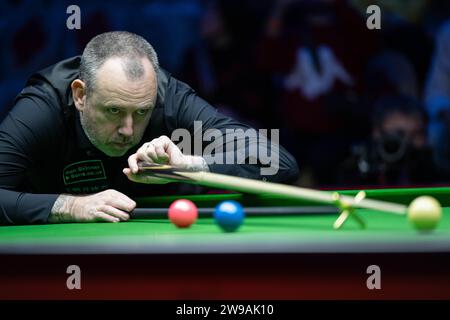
128 173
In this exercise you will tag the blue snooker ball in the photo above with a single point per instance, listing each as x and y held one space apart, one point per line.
229 215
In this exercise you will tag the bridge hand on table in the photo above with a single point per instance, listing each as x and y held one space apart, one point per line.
161 151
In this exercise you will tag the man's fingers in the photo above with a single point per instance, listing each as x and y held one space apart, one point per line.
162 156
118 200
143 178
133 163
101 216
148 153
128 173
112 211
156 153
176 156
160 150
126 205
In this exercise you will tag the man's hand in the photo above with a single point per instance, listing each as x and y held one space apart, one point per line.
162 151
108 206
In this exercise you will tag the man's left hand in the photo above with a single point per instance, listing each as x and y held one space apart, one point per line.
161 151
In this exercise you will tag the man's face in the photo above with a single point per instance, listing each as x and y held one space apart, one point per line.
118 110
411 126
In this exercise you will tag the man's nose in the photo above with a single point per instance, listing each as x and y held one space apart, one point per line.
126 128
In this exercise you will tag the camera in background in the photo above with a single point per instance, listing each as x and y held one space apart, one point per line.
397 153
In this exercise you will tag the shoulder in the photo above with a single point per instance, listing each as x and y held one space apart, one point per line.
35 120
44 105
52 84
174 96
170 88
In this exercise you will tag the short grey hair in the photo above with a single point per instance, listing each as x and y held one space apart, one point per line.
120 44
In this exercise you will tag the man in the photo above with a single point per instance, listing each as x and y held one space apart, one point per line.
397 153
70 148
437 98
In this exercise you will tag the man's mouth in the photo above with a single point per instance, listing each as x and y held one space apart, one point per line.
121 144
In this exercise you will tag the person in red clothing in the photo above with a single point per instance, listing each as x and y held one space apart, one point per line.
317 51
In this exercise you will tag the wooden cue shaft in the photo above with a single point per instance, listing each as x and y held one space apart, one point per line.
217 180
249 211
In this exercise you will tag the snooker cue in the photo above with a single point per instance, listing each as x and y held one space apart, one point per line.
217 180
156 213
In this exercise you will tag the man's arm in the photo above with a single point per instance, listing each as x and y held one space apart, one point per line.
61 210
27 134
24 208
24 136
245 154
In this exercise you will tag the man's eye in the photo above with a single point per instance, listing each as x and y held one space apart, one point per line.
113 110
142 112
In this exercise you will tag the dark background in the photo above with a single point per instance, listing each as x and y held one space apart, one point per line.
309 68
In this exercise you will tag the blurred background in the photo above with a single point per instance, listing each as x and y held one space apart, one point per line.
356 107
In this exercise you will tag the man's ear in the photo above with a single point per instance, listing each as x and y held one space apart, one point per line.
79 94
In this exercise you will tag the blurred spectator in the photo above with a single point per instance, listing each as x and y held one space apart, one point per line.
308 67
412 42
30 41
171 26
390 73
437 99
410 10
436 13
317 52
220 66
403 31
397 153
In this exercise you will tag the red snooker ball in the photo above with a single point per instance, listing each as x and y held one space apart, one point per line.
183 213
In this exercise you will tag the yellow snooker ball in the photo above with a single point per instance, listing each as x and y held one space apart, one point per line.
424 213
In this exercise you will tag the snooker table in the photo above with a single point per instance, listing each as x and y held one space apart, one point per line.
269 257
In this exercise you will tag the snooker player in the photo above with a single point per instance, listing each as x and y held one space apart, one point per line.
70 147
